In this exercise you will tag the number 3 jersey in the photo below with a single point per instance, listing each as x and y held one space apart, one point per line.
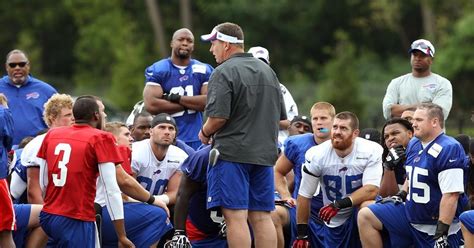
185 81
151 173
432 170
340 177
73 155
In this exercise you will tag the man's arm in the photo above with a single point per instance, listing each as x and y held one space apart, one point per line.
129 186
212 125
154 104
198 102
388 185
447 207
444 98
107 172
365 193
173 186
397 109
187 188
34 195
282 167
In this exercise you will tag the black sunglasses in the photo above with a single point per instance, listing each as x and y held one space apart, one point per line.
20 64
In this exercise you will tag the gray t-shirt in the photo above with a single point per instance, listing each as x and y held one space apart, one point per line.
246 92
408 89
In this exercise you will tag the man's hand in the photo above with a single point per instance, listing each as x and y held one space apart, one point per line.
175 98
441 235
160 203
327 212
400 197
125 242
288 203
302 239
395 158
179 240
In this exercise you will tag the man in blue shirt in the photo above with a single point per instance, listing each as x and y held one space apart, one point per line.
26 96
178 86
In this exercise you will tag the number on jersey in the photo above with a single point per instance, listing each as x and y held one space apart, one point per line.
60 180
180 90
333 185
415 175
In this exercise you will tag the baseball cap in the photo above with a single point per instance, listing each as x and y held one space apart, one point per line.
260 53
301 118
371 134
424 46
163 118
216 35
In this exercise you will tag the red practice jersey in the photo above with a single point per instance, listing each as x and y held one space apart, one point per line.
72 155
126 153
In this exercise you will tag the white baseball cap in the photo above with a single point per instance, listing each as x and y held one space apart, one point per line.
424 46
260 53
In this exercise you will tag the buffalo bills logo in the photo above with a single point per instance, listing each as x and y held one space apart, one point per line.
33 95
157 172
184 78
416 159
343 169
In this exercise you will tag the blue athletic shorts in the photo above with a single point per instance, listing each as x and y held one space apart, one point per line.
240 186
401 232
22 215
67 232
466 218
214 242
144 224
343 236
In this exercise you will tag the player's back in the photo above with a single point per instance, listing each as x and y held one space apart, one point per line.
72 155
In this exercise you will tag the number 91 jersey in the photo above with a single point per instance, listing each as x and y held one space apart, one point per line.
185 81
340 177
432 171
151 173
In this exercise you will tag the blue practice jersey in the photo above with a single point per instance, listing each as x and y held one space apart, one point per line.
6 137
185 82
195 168
295 149
431 171
20 170
26 104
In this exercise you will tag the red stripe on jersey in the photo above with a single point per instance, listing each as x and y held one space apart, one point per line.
194 234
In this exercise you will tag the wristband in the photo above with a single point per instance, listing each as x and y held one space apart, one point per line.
151 200
343 203
204 134
302 230
402 194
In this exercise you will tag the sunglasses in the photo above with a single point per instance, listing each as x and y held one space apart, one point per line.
20 64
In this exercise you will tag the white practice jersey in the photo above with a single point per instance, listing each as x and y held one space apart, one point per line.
339 177
291 111
28 156
153 174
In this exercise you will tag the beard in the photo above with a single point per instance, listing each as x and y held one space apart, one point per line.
183 54
341 144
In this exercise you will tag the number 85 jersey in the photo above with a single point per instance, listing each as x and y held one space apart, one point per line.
340 177
432 170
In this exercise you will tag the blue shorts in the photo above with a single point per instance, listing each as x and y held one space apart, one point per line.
240 186
144 224
316 232
194 144
466 218
67 232
22 215
345 235
401 232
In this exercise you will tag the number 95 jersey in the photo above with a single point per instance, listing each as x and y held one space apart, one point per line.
432 170
340 177
151 173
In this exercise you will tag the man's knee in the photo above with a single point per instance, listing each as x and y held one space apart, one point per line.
279 216
366 218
